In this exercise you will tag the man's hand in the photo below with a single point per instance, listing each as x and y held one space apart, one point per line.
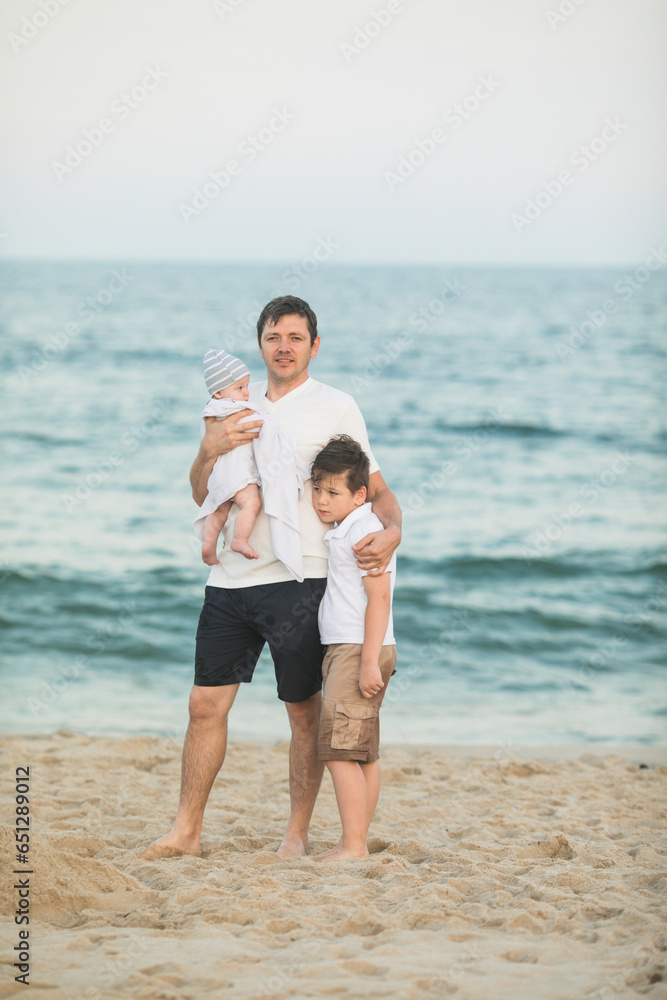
222 436
219 437
375 550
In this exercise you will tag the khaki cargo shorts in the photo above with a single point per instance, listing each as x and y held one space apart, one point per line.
349 723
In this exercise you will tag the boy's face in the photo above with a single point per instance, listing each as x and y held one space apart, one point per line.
333 499
237 391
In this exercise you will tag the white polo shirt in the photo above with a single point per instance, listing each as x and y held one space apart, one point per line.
343 608
308 416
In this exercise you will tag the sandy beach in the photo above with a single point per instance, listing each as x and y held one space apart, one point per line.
495 874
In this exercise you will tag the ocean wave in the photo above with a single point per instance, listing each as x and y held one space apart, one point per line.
500 427
480 566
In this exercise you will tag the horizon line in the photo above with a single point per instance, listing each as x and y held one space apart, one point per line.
488 265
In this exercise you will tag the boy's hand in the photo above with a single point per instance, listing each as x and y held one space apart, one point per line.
370 679
374 551
222 436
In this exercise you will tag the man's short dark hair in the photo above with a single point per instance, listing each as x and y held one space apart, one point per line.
286 305
343 454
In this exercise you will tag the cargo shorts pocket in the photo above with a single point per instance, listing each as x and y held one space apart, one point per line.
353 726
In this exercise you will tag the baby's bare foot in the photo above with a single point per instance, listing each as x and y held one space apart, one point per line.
244 549
209 555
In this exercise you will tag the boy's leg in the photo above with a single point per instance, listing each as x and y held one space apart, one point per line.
341 684
213 525
352 798
372 775
250 502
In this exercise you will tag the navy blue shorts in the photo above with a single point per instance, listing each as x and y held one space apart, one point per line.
235 624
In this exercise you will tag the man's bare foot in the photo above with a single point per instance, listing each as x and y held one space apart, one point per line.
171 846
292 847
209 555
340 853
244 549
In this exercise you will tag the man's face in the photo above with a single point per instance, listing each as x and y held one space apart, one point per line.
286 348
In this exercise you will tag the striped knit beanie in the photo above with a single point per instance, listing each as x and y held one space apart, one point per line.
222 370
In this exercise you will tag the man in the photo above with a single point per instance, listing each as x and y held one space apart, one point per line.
250 602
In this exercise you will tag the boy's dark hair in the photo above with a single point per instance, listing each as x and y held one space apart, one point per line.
343 454
286 305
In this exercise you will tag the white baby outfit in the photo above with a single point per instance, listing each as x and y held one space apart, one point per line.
269 461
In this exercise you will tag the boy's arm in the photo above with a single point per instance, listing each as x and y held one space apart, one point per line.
220 437
379 546
378 592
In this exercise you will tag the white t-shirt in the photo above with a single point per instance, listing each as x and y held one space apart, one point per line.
343 608
308 416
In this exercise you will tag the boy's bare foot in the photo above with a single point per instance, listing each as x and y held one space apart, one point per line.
340 853
292 847
171 846
210 556
244 549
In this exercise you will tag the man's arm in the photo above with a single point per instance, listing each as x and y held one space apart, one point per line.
220 437
375 550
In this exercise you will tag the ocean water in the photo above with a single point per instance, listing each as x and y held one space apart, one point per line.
517 413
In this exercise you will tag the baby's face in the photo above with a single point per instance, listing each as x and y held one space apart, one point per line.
237 391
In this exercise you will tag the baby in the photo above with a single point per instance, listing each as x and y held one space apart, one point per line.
227 379
267 461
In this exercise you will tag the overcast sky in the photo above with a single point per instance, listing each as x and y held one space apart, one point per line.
316 104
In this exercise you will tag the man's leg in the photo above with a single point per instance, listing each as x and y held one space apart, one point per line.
203 754
305 773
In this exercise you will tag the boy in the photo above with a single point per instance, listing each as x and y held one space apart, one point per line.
236 477
355 624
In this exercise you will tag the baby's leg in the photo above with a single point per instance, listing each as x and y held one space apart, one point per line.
213 525
250 502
